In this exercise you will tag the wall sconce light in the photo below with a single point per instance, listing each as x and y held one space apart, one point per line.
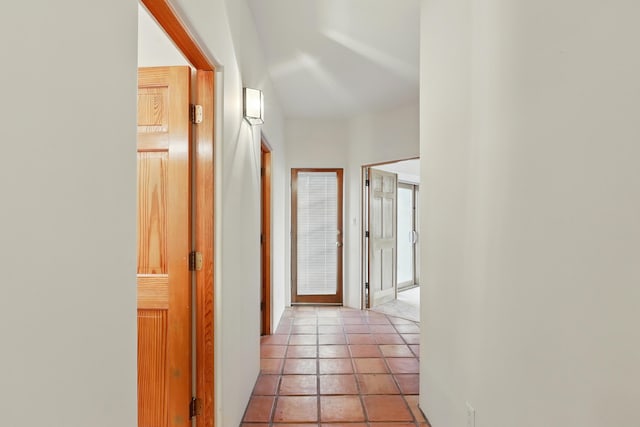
253 103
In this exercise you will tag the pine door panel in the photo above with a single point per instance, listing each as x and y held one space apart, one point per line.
164 242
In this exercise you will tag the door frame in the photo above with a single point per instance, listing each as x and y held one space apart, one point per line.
265 238
317 299
364 221
203 220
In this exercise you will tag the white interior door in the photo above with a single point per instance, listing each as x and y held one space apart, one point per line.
383 190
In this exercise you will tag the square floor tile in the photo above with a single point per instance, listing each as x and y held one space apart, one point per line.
271 366
296 409
364 350
329 321
303 329
259 409
338 384
254 425
302 340
330 329
408 329
392 425
296 425
356 329
395 350
409 383
333 351
305 321
415 408
272 351
370 366
411 338
377 319
399 365
344 425
302 351
382 329
335 366
274 340
266 385
353 321
346 312
400 321
388 339
415 349
294 385
341 408
332 339
300 366
377 384
387 408
283 329
361 339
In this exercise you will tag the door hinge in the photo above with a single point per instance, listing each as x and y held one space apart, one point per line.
195 407
366 286
261 305
366 234
195 113
195 261
261 171
262 239
366 183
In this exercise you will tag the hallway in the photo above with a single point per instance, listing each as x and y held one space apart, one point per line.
335 366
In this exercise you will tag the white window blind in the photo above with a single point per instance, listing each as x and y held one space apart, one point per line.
317 227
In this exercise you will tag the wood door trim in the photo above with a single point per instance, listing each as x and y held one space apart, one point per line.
179 245
167 18
316 299
204 232
170 22
266 233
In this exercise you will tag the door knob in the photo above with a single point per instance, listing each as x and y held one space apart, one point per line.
338 244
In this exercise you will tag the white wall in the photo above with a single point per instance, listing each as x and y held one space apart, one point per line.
373 138
220 26
254 74
529 148
349 144
314 144
155 48
67 222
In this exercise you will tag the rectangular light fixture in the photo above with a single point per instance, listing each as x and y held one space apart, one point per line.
253 103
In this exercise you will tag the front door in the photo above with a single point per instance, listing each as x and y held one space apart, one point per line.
382 236
164 242
316 239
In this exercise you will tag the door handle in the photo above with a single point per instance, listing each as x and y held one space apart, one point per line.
414 237
338 244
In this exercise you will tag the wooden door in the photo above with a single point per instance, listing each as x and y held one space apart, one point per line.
164 243
265 241
316 246
382 236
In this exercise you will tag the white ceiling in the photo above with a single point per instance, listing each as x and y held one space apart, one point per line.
338 58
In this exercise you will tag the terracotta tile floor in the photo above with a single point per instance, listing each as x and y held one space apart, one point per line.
333 367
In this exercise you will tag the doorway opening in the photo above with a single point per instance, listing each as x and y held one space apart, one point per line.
175 223
390 266
265 239
316 236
